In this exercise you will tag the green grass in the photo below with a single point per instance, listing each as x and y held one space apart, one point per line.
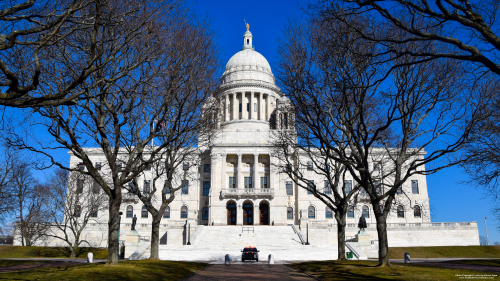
446 252
10 252
126 270
368 270
4 263
495 262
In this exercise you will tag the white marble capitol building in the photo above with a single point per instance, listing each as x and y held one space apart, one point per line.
237 198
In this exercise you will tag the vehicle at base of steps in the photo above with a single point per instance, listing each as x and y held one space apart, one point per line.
250 253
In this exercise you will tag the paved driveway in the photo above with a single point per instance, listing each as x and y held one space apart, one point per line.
241 272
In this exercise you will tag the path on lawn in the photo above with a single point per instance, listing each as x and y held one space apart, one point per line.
241 272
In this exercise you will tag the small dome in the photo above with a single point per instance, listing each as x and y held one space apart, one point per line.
247 65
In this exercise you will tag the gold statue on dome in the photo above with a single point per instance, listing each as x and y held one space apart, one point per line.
248 26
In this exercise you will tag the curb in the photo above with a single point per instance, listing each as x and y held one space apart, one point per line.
186 277
300 270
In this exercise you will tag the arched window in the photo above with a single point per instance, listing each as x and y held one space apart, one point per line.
350 211
328 213
365 212
184 212
417 212
166 214
130 211
144 212
78 211
204 213
311 212
401 211
289 213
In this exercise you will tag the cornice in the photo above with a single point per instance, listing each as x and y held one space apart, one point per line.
223 87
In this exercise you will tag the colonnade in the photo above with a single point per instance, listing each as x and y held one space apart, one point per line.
248 106
239 173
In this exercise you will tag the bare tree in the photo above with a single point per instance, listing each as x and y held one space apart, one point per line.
72 201
7 162
163 73
377 123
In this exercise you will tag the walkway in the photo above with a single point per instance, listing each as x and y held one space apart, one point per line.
242 272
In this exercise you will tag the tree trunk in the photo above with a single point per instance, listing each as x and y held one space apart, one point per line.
341 225
73 251
155 237
383 244
114 209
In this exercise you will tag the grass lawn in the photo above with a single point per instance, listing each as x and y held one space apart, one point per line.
446 252
11 252
495 262
126 270
367 270
4 263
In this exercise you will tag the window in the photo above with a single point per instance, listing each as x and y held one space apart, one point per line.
81 166
263 182
401 212
310 166
206 188
311 212
350 211
96 188
417 212
255 107
414 186
365 212
248 107
78 211
328 188
289 188
130 186
241 107
377 167
168 188
378 187
204 213
185 187
248 182
147 186
289 213
148 167
184 212
288 168
285 121
79 186
93 213
166 213
185 166
119 166
206 168
130 211
310 187
144 212
98 166
328 213
348 186
232 182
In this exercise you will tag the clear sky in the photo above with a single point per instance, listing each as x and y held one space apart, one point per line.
450 200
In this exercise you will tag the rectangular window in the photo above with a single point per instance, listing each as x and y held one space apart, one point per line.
232 182
147 187
289 213
148 167
348 186
310 166
288 168
248 182
185 187
255 107
310 187
263 182
119 166
378 188
185 166
414 186
96 188
241 107
98 166
328 188
79 186
289 188
377 167
206 188
248 107
399 190
206 168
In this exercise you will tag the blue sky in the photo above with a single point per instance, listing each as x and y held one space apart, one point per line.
451 201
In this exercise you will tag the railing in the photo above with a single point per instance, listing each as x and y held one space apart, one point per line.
144 239
351 238
298 234
424 224
247 229
263 192
353 250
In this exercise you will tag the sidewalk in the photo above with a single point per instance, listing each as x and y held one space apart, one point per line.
242 272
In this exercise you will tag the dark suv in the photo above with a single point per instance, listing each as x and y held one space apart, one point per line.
250 253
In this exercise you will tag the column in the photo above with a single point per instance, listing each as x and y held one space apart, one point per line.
259 103
256 180
235 107
227 111
239 180
252 113
268 107
244 115
269 185
223 177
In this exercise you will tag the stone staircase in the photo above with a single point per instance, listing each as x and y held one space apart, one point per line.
212 243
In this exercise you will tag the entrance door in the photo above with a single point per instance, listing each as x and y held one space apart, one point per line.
231 214
247 214
264 214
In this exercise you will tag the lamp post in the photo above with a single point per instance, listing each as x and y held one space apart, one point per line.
189 234
307 232
119 221
485 228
